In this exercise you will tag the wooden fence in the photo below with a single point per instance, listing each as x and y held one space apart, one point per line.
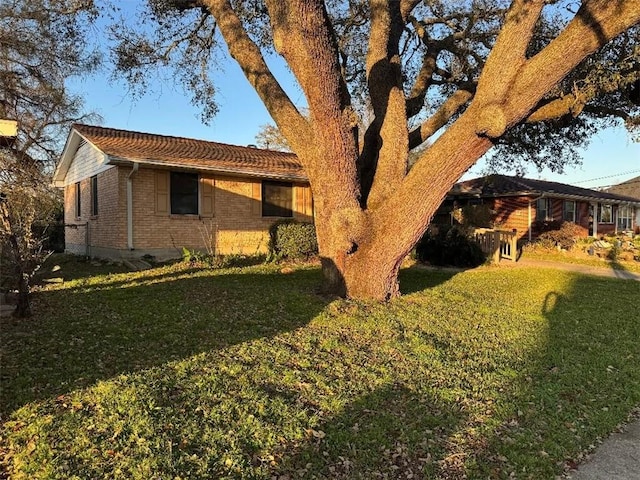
497 244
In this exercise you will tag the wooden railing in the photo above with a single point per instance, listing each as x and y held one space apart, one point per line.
497 244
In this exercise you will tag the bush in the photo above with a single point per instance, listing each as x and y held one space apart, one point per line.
564 234
449 246
292 240
478 216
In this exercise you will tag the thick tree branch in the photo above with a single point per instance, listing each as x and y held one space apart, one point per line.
385 143
508 55
415 100
250 59
304 36
596 22
440 118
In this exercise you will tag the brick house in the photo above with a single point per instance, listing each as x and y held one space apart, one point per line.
523 204
128 194
630 188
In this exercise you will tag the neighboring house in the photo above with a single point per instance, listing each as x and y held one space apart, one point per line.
630 188
524 204
129 194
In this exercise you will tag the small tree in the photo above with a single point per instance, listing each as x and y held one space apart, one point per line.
269 137
25 200
42 44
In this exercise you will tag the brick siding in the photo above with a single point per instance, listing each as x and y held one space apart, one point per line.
236 225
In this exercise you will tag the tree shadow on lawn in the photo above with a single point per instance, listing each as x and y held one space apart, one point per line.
393 432
576 381
79 336
443 402
579 385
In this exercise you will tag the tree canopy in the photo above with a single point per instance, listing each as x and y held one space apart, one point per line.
442 47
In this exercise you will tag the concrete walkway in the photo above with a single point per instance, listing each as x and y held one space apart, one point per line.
618 458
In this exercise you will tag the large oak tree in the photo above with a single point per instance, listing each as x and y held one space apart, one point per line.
462 75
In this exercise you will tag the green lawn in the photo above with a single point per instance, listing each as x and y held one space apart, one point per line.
579 258
249 373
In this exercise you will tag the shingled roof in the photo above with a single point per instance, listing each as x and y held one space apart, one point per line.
124 147
630 188
506 186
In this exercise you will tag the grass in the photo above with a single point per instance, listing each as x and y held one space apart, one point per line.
248 373
579 257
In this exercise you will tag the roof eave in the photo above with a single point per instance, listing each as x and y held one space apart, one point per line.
114 160
617 201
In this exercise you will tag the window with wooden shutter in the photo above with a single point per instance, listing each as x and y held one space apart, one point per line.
308 201
94 195
207 197
183 191
304 203
78 192
162 192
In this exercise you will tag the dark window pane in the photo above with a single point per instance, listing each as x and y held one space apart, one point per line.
277 199
94 195
184 193
78 196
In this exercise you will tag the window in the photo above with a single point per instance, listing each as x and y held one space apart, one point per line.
569 211
625 216
277 199
606 214
78 203
543 209
184 193
94 195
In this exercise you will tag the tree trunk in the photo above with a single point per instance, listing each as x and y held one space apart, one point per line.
368 274
356 263
363 250
23 307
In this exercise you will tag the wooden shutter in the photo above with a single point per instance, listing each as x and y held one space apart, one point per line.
299 201
162 192
207 197
308 201
304 202
256 199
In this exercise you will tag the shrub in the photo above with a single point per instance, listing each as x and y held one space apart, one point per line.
200 258
292 239
449 246
479 216
614 253
564 234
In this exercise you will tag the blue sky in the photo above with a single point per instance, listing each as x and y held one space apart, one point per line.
610 159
